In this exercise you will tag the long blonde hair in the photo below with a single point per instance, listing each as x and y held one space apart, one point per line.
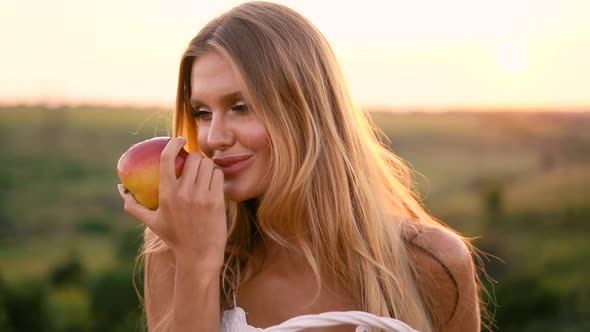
348 200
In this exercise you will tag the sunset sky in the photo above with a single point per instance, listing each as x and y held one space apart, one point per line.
395 54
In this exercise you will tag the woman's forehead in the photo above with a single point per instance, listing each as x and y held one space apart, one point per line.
212 77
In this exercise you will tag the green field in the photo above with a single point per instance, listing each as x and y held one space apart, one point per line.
520 182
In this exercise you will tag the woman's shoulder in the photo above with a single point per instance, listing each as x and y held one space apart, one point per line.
444 269
436 247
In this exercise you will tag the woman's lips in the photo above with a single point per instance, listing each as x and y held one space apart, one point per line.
232 164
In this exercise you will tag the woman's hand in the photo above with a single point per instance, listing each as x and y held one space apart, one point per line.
191 215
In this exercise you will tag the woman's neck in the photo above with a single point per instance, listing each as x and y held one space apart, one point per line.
285 260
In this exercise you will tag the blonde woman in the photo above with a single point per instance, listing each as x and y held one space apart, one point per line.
288 204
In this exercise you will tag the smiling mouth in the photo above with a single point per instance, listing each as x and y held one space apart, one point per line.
233 164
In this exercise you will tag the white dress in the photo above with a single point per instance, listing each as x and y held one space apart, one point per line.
234 320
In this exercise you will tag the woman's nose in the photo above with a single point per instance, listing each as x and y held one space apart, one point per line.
220 135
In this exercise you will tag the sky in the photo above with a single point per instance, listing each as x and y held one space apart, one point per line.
428 55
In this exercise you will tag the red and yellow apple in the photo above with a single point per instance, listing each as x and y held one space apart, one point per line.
139 169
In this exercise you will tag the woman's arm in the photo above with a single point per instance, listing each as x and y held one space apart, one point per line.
191 220
195 299
447 279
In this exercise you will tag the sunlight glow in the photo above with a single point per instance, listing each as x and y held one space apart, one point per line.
398 54
512 59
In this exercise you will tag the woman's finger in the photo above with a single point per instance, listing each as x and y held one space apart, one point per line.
203 180
216 185
136 210
168 158
190 171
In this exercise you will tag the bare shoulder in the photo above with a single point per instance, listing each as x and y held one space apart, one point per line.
446 277
436 246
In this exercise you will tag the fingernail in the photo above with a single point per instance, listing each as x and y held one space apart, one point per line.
182 138
122 189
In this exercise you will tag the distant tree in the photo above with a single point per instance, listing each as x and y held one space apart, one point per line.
523 300
27 307
69 272
128 244
493 199
93 225
3 313
7 225
114 303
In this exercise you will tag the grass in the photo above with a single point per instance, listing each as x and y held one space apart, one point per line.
58 195
561 188
37 255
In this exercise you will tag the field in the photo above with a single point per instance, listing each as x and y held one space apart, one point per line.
517 182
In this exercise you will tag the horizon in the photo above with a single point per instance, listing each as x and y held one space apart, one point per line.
370 109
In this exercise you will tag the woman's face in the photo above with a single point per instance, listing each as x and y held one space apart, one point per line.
229 132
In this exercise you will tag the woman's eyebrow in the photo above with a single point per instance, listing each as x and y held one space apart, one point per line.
225 99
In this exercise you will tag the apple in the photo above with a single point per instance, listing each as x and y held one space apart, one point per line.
139 169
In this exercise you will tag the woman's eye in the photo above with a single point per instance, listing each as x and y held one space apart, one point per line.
240 107
200 114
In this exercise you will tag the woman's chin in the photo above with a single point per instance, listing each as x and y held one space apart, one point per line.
238 196
240 192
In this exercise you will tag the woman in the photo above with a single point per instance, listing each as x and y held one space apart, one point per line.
288 203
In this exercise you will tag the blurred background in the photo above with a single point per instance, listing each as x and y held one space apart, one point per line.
489 101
